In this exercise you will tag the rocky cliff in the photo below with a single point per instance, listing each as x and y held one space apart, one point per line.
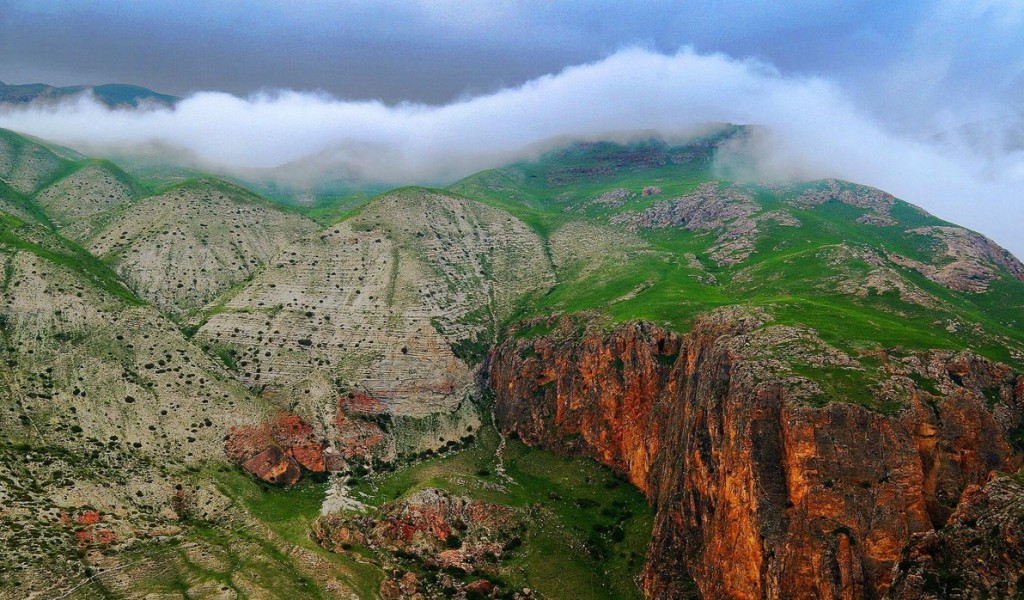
765 487
976 555
447 537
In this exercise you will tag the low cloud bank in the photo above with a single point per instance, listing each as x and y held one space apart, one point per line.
812 129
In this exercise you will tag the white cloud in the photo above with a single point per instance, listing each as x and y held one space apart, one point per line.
816 131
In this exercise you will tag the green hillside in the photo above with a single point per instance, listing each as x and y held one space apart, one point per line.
847 260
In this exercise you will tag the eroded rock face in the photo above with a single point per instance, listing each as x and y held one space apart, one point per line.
759 493
185 247
978 554
469 264
878 278
337 307
878 203
80 202
729 211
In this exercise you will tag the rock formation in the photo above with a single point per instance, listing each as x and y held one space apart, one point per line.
978 554
761 490
434 530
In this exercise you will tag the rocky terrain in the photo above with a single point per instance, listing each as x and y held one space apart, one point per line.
186 246
447 536
758 486
816 387
977 554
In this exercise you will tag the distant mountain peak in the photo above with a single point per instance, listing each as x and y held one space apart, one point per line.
114 95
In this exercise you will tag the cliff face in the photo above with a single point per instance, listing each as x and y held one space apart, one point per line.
761 490
977 555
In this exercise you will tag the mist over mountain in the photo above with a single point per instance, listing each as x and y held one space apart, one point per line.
511 301
810 128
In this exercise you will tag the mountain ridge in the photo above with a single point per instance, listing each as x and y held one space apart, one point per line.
113 95
404 342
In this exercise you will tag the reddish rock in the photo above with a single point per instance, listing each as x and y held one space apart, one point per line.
480 586
278 450
356 421
757 493
88 517
297 438
273 465
245 442
310 455
978 554
358 403
95 536
404 586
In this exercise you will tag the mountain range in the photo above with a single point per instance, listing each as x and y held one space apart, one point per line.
614 371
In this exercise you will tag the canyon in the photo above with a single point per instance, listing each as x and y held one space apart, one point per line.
607 372
758 491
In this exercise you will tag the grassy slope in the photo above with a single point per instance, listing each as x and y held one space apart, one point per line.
785 274
568 551
41 239
786 257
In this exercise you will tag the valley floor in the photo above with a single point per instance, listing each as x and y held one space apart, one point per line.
586 535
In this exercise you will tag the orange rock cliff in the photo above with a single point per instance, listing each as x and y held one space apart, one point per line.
759 492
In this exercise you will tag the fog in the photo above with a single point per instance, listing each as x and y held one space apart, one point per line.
811 128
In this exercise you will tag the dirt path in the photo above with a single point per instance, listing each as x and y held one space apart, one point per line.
499 465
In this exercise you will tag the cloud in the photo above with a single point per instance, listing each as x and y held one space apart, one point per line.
814 130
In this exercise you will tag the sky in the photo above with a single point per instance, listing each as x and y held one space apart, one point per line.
921 98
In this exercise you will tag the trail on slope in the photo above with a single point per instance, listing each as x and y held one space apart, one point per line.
499 465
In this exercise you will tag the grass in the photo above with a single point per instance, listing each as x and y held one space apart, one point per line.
258 551
587 529
788 273
19 236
